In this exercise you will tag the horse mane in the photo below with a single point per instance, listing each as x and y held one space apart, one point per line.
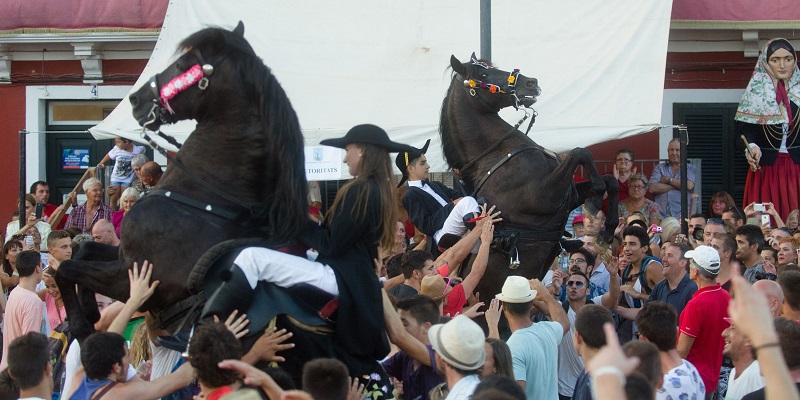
286 211
449 145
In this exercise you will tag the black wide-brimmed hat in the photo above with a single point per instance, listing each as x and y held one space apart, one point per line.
370 134
404 158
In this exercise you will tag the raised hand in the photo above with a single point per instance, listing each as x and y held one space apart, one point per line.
270 343
140 287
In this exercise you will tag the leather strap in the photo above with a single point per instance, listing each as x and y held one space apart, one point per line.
103 391
498 165
218 211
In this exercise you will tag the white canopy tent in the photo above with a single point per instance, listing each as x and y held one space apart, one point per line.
600 63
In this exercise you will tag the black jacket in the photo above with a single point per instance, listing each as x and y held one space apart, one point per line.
349 244
424 211
770 146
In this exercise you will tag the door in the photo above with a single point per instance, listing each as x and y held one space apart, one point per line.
712 139
69 154
70 148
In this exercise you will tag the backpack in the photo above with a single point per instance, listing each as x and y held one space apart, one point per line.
58 342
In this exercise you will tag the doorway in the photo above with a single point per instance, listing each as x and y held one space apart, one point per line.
69 147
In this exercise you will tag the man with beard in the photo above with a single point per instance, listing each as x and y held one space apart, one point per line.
749 242
583 261
599 275
726 246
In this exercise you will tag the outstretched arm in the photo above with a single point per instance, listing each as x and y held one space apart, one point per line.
609 299
141 290
399 336
456 254
557 313
481 260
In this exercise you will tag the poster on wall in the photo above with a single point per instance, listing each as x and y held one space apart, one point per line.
323 163
75 159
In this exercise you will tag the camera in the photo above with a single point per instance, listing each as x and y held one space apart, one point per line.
698 232
39 209
759 207
657 229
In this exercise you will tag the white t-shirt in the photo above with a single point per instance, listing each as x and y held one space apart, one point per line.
123 170
682 382
164 360
750 381
570 364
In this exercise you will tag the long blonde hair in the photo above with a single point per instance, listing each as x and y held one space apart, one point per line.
376 165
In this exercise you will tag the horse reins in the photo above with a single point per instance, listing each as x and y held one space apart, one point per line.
472 84
195 75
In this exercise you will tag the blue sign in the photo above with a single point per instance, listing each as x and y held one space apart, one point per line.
75 159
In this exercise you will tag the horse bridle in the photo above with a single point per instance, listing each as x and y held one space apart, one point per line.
198 75
511 85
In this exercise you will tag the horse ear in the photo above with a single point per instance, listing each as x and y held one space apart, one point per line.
473 57
239 30
457 65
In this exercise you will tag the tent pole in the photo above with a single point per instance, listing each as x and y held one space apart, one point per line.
683 135
486 30
22 172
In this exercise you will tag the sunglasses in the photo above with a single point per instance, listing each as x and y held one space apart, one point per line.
715 220
577 284
576 260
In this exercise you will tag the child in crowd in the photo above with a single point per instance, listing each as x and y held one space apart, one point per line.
122 175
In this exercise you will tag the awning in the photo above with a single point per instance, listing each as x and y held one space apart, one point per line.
600 63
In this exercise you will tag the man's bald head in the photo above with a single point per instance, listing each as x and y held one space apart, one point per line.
151 173
774 295
103 232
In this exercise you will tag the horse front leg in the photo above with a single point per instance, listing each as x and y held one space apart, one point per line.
109 278
591 193
79 325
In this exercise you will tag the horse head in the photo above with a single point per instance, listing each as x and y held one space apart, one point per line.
200 81
495 88
218 80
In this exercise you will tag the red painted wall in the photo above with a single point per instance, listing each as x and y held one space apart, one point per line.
12 120
724 70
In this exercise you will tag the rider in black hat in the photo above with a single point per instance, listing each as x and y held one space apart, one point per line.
436 210
361 219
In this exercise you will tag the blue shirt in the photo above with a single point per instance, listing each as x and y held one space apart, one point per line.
670 202
534 355
677 297
583 387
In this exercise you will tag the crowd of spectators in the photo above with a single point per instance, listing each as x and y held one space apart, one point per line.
710 314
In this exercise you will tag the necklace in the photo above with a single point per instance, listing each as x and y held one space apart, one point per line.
777 132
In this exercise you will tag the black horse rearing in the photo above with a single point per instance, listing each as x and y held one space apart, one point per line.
531 186
239 175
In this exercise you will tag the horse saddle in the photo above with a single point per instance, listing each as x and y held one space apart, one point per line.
218 287
227 289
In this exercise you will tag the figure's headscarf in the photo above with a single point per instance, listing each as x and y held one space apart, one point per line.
759 103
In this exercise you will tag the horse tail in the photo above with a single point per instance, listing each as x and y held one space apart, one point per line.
288 212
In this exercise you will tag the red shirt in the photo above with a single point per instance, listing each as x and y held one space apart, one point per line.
703 319
48 211
455 301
